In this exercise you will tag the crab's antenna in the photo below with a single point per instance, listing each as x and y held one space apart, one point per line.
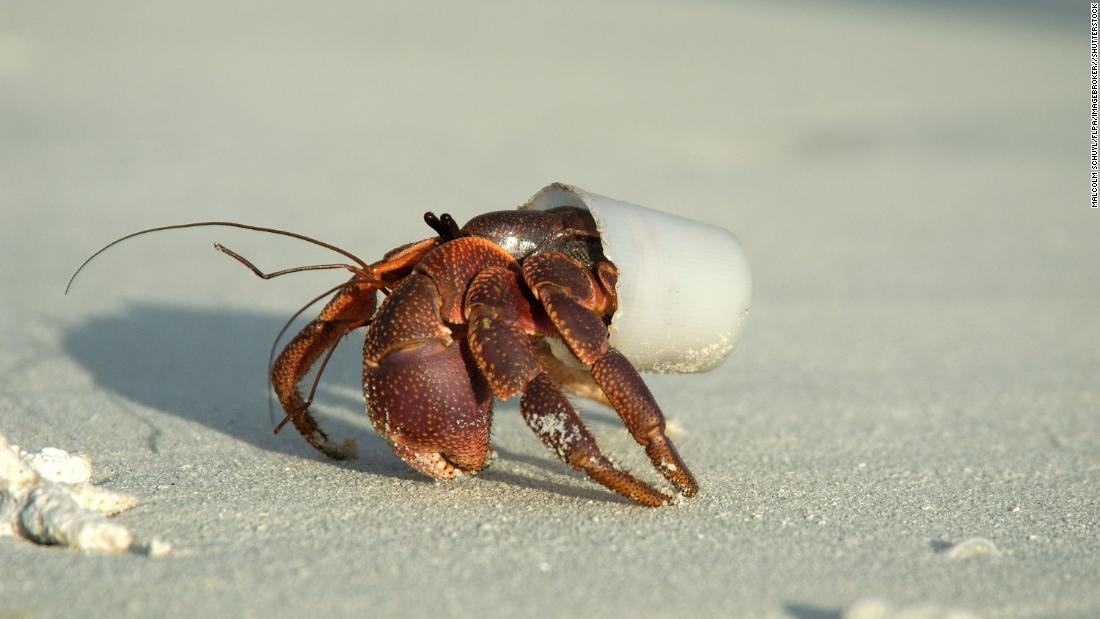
311 267
229 224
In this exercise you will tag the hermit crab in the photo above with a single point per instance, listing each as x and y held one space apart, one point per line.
572 292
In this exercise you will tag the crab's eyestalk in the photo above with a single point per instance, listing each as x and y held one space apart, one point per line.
684 287
445 226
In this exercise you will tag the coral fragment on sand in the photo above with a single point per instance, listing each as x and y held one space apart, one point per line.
48 498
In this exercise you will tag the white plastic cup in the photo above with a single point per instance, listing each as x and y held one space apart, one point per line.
684 287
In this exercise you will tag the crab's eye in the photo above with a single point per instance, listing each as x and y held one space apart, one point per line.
684 286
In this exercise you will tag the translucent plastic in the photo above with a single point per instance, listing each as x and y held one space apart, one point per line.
684 286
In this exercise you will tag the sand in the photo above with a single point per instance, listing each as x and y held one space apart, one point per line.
920 367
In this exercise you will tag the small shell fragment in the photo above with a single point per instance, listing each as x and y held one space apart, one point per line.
102 500
9 513
52 516
872 608
156 548
972 547
16 477
61 467
684 287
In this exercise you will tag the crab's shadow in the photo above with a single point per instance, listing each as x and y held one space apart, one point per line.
210 366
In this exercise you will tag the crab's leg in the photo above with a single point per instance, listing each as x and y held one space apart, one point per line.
639 411
350 308
574 302
554 420
398 262
498 325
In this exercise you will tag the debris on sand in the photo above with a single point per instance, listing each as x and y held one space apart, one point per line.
48 498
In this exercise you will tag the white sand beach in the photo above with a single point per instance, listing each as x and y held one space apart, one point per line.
921 366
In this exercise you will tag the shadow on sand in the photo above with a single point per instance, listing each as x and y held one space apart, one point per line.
210 366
